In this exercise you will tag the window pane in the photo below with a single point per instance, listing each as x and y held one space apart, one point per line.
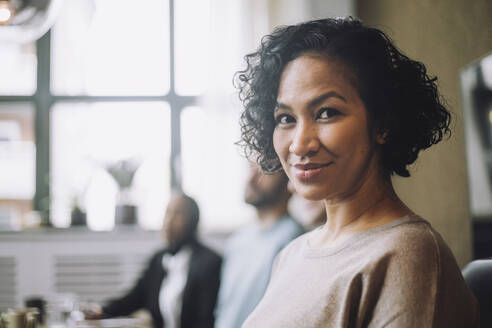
88 138
17 165
191 46
111 47
213 170
17 69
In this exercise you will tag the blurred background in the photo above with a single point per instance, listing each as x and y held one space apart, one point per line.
106 105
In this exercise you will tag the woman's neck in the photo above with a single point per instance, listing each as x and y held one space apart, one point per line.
373 204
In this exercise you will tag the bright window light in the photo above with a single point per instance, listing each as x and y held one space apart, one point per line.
109 47
17 69
214 172
87 138
192 46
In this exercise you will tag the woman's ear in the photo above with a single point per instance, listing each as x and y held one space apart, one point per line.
381 137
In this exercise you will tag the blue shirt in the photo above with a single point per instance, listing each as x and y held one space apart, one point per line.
248 259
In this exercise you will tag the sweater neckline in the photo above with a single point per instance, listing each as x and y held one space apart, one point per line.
310 252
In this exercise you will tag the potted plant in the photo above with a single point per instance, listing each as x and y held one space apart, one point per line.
123 173
78 216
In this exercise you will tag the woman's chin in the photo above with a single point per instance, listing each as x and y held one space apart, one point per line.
310 193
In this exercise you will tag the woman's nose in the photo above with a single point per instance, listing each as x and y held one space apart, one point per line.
305 141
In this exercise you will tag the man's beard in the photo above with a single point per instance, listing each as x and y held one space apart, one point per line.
261 199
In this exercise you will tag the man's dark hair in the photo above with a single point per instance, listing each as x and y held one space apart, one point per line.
194 212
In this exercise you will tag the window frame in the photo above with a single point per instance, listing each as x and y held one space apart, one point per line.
43 101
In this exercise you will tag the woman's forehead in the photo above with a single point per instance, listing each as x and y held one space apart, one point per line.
311 75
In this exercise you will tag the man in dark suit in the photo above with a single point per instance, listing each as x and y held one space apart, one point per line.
179 286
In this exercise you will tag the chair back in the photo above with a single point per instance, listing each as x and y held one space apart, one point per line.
478 276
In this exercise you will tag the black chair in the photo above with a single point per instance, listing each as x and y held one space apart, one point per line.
478 275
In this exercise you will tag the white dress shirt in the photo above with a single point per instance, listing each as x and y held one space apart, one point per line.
172 287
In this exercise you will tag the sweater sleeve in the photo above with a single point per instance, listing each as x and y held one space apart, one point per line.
410 287
404 292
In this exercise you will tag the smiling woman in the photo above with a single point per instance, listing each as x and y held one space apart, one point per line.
335 105
320 112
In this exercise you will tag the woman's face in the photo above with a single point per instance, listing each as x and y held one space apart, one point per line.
322 135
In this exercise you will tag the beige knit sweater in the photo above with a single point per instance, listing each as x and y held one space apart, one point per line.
398 275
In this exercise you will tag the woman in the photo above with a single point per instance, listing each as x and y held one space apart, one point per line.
335 104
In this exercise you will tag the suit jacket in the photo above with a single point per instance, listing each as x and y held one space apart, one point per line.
199 295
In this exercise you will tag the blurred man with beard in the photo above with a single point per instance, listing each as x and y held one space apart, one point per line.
249 254
179 287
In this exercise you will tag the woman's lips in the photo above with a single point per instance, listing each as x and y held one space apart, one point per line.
309 171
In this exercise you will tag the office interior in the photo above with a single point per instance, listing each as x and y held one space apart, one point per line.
110 104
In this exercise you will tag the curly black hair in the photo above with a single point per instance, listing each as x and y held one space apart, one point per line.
402 100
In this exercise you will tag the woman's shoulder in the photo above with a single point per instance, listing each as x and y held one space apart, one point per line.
414 245
408 235
418 235
410 240
416 249
405 237
411 256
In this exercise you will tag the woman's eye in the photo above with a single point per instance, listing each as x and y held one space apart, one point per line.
326 113
284 119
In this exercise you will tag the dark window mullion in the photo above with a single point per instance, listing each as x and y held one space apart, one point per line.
13 99
186 100
175 163
43 102
175 109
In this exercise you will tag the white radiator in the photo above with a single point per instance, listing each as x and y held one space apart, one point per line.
94 266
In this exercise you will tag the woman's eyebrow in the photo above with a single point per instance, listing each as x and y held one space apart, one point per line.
330 94
314 102
282 106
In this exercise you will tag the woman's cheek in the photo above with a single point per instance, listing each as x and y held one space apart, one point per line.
336 138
